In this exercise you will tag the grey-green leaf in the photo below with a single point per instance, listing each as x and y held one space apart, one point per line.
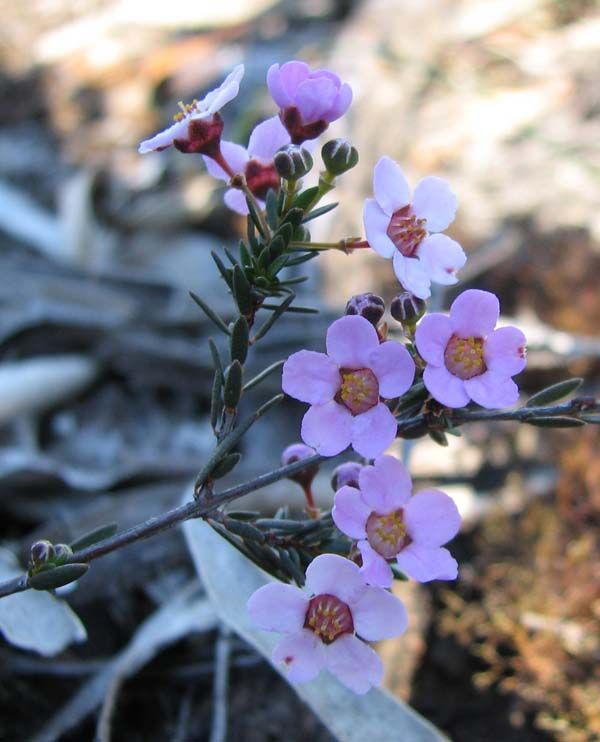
557 421
554 393
52 578
92 537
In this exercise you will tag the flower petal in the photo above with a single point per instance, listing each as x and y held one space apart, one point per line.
354 663
492 390
350 512
474 313
302 654
390 187
267 138
327 428
386 486
412 275
165 138
278 607
341 103
331 574
373 431
379 615
350 341
423 563
432 336
504 351
394 368
236 201
292 75
235 156
314 97
310 377
376 222
445 387
227 91
375 570
441 258
433 200
431 518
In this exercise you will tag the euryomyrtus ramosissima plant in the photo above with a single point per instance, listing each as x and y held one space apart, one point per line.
364 391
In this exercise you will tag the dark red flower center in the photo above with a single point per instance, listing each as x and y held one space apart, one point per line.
261 177
464 357
328 617
359 390
203 137
387 533
298 129
406 231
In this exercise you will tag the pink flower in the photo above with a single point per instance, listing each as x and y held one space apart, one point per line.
198 126
467 359
401 230
390 524
256 163
309 101
345 388
322 625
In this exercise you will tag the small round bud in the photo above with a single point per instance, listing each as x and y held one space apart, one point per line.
346 475
61 553
407 308
298 452
292 162
369 306
339 156
40 552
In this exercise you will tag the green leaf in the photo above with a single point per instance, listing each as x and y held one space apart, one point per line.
557 421
276 247
216 399
226 465
232 390
216 358
241 291
303 258
303 200
294 217
251 232
285 231
255 216
210 313
266 326
315 213
244 530
92 537
240 335
291 310
591 418
52 578
230 257
439 437
255 380
271 210
554 393
225 272
245 256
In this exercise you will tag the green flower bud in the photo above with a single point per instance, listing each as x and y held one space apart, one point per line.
292 162
339 156
407 308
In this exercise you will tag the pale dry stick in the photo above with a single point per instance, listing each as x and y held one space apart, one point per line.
218 732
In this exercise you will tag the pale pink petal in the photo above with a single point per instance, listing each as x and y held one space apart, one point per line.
492 390
267 138
431 518
278 607
235 156
474 313
354 663
423 563
314 97
386 486
282 87
433 200
327 428
236 201
341 103
331 574
310 377
412 275
376 222
302 655
394 368
504 352
390 187
292 75
373 431
350 341
378 615
375 570
226 92
350 512
432 336
165 138
441 258
446 388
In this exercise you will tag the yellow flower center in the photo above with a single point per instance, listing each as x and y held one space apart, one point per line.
186 109
464 357
328 617
387 533
359 390
406 231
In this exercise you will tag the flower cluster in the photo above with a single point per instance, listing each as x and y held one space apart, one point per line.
357 389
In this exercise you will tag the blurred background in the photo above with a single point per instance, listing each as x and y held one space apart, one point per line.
105 376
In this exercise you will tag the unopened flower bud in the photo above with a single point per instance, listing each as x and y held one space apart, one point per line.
369 306
40 552
293 162
298 452
61 553
407 308
339 156
345 475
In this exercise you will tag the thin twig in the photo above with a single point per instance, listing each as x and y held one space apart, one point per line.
218 732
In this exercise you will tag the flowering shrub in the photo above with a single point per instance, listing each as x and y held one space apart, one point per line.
366 390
